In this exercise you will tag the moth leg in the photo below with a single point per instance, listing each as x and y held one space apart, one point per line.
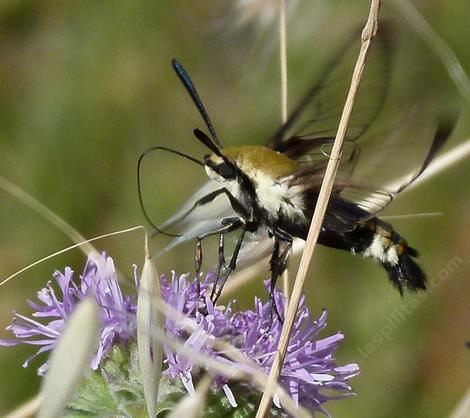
217 290
221 256
278 262
228 225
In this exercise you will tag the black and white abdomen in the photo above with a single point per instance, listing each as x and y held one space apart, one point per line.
378 240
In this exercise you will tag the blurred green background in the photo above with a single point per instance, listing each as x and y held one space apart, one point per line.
87 86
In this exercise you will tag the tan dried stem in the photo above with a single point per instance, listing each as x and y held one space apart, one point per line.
44 211
368 33
150 348
80 242
27 409
71 247
244 276
283 57
462 410
283 63
437 44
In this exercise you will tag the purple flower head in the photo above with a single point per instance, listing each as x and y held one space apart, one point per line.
309 373
184 297
98 281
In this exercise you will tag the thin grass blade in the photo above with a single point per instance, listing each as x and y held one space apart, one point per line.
192 405
150 347
462 409
27 409
70 359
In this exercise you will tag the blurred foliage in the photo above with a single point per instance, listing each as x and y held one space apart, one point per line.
87 86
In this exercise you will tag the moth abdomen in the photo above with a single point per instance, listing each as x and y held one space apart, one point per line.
377 239
394 254
406 273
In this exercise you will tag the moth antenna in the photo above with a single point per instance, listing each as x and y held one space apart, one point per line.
188 83
139 187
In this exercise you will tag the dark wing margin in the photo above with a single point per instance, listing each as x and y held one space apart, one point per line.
443 132
315 119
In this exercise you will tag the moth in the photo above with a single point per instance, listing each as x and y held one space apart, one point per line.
270 191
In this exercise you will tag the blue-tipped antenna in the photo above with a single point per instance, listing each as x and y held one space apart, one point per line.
188 83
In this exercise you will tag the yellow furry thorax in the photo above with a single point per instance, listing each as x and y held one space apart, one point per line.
258 158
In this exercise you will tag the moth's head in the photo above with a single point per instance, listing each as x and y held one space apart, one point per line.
220 168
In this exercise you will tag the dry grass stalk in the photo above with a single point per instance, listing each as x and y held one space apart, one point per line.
71 247
70 359
45 212
192 405
244 276
150 347
437 44
368 33
449 159
283 57
462 410
283 62
27 409
261 379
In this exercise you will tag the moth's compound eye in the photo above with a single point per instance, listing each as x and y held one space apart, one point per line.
226 170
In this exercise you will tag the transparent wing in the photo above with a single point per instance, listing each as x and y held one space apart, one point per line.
208 218
388 163
256 247
309 133
315 119
191 223
375 166
392 160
